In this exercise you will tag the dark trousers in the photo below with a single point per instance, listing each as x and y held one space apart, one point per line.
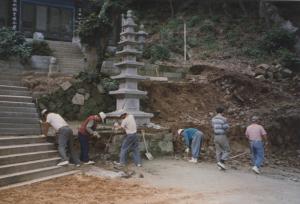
84 147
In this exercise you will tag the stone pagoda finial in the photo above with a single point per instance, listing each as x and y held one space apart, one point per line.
141 35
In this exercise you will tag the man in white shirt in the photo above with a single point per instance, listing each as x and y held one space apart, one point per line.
65 135
130 141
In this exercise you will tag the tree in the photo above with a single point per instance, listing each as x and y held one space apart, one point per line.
100 16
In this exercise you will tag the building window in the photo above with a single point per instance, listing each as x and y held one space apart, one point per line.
54 22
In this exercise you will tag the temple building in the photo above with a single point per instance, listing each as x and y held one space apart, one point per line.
56 19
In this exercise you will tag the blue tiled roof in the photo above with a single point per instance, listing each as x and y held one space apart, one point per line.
60 3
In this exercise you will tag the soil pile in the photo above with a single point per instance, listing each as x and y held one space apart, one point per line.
192 103
89 189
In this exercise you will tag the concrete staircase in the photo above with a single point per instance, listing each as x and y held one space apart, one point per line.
25 155
69 57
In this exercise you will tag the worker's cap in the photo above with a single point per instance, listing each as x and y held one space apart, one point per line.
44 112
254 118
102 115
179 131
123 112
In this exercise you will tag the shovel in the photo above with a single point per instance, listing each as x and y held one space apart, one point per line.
148 154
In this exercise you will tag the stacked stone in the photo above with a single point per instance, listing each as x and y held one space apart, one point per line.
128 96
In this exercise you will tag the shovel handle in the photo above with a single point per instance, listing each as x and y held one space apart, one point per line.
143 134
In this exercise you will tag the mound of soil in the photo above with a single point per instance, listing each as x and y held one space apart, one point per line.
89 189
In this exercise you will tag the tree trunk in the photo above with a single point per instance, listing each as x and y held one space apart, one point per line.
241 3
172 8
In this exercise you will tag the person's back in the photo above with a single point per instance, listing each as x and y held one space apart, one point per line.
219 124
255 132
91 119
56 121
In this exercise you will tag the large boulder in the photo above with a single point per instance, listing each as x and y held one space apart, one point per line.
78 99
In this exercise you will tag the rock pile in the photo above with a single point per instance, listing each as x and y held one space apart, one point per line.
73 98
273 72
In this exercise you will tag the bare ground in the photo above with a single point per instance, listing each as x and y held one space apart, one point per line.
166 181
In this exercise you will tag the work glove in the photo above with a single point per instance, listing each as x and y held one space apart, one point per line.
96 134
116 125
187 150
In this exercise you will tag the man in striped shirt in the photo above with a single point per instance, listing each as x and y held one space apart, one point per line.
220 127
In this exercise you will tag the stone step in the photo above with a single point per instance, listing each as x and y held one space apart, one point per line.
76 56
19 120
10 77
17 109
71 63
67 173
25 157
20 114
57 51
27 99
18 125
13 88
10 83
25 148
18 140
29 175
14 93
26 166
71 72
20 131
16 104
70 47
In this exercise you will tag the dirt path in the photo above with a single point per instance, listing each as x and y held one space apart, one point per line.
165 181
233 186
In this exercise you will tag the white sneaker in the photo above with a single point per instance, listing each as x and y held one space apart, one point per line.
118 164
89 162
255 169
63 163
221 165
139 165
193 160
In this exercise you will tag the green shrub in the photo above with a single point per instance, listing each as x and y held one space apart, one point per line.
207 26
286 58
157 52
276 39
193 42
109 84
175 24
209 42
194 21
41 48
233 37
13 44
252 52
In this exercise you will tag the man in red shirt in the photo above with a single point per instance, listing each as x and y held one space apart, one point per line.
256 134
87 129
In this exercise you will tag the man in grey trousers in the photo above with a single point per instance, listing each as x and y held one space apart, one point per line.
220 128
65 135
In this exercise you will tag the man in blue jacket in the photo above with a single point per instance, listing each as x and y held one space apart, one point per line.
220 127
193 139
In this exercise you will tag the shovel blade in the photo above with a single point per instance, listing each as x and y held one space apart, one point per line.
149 156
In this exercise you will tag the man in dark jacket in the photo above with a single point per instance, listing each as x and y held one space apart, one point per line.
86 130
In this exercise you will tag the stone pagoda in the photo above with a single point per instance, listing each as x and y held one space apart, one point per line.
128 96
